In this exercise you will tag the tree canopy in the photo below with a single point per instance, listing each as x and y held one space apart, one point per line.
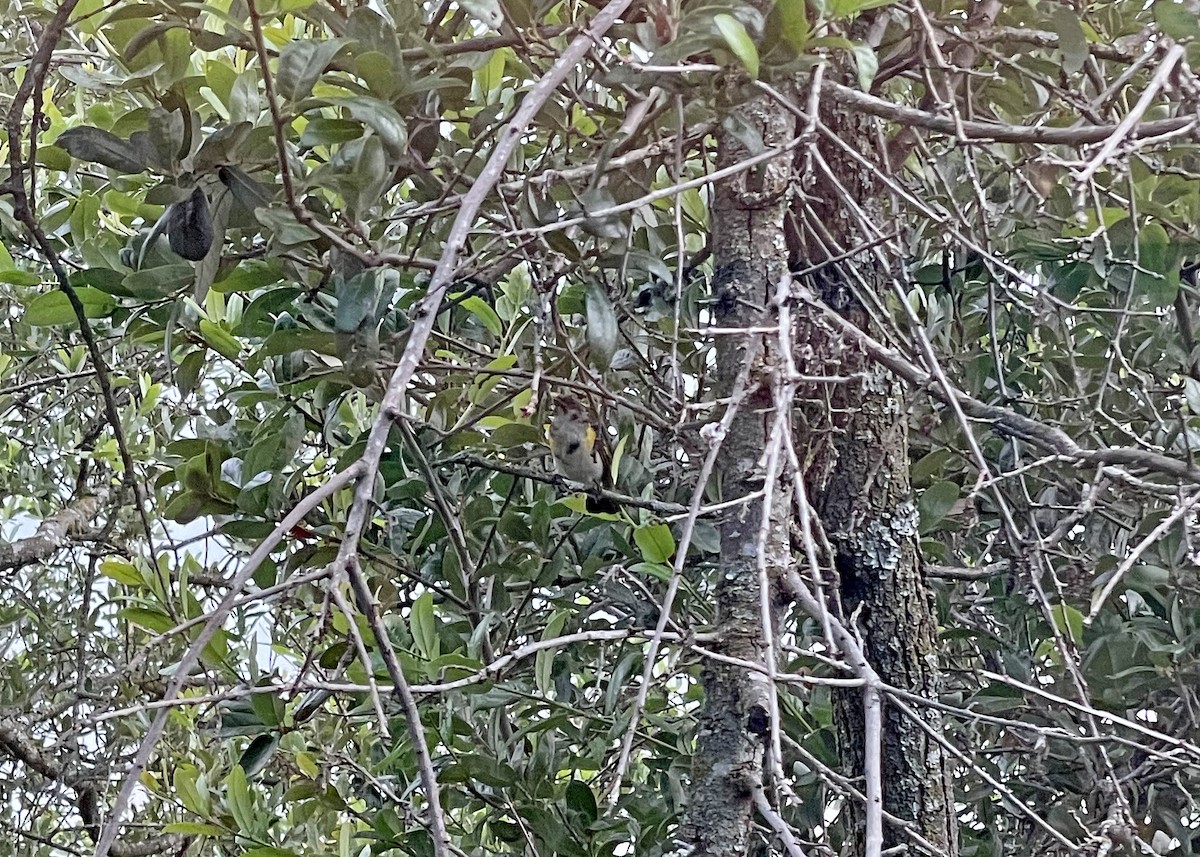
290 288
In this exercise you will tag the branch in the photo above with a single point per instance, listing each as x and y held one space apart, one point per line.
394 399
951 572
15 122
20 745
790 845
537 475
51 534
546 177
994 132
1127 125
873 768
302 214
1041 39
1039 434
192 656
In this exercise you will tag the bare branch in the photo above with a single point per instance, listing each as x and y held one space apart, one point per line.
51 533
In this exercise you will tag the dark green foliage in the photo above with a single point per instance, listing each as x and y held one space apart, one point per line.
243 385
189 227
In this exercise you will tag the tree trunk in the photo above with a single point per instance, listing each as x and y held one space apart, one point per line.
854 434
852 437
750 257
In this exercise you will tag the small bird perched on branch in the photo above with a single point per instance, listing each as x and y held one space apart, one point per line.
579 452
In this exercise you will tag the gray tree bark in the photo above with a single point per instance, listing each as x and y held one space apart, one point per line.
854 435
750 257
852 439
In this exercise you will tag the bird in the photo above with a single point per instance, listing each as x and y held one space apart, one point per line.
580 454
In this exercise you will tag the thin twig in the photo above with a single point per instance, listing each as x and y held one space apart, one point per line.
1154 535
1128 125
16 120
394 400
189 658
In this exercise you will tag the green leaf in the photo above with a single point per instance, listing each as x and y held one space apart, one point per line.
245 102
603 330
381 118
220 340
847 8
1177 20
216 651
657 570
358 302
491 74
931 465
488 379
1158 264
19 278
1071 40
594 202
935 503
121 570
1068 621
323 131
192 828
581 799
793 24
240 801
238 717
269 708
514 434
105 279
307 764
301 63
480 308
284 227
55 307
221 146
160 282
543 668
376 70
655 542
840 43
867 65
250 275
153 620
251 195
258 753
165 132
102 147
739 41
192 789
287 341
145 37
424 627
